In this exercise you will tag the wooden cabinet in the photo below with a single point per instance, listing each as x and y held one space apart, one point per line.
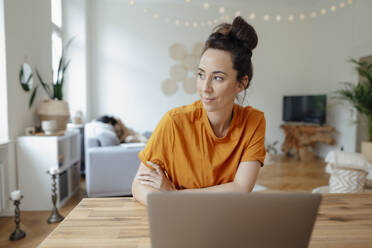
35 156
299 138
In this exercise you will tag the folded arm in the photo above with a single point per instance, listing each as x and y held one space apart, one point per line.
147 181
140 190
244 180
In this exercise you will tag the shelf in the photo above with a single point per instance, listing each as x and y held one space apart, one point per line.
35 156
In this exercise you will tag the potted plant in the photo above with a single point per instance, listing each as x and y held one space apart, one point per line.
360 97
54 108
271 152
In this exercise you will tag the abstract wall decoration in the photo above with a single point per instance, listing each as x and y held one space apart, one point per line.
185 71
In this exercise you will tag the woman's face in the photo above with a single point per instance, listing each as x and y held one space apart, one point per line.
216 81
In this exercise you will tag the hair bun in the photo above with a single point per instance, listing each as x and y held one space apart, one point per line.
244 32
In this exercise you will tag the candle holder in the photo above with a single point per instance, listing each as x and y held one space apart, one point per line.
18 233
55 216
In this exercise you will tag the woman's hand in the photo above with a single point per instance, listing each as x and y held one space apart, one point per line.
156 179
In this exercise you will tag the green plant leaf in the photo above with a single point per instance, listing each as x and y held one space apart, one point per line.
24 85
44 85
59 71
32 98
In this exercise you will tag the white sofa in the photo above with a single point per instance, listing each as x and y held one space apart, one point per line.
110 170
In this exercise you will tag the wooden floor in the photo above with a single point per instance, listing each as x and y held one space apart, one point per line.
284 175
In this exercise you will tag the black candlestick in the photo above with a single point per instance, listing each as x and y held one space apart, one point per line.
55 216
18 233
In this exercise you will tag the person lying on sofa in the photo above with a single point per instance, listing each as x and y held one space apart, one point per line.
211 145
124 134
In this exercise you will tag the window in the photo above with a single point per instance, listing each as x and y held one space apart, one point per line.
56 14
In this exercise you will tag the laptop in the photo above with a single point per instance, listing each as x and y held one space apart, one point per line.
220 220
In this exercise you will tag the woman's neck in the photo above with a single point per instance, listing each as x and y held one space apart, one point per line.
220 121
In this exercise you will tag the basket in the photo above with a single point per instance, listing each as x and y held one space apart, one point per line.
346 180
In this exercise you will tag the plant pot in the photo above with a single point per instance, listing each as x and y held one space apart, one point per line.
367 150
54 110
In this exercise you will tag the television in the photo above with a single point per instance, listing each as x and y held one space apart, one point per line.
307 108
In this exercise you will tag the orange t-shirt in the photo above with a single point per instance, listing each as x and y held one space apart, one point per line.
185 146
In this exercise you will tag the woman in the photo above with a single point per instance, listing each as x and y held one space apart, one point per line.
212 145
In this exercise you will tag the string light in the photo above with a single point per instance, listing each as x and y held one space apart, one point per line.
251 16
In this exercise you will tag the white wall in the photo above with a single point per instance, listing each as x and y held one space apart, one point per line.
74 25
3 88
128 58
27 39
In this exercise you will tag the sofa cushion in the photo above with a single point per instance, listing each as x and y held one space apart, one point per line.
103 132
107 138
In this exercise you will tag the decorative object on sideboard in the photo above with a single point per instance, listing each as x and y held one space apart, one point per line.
78 118
54 108
30 131
49 126
360 97
16 197
55 216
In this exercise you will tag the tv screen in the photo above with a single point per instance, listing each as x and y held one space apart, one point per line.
310 109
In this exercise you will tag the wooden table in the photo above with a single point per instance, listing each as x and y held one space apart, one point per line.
344 220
